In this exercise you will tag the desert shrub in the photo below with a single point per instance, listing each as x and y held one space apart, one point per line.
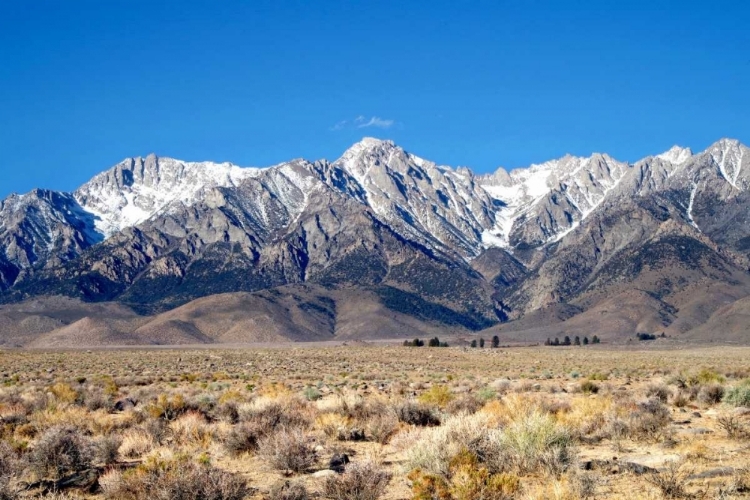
436 447
288 449
156 429
486 394
354 406
417 414
711 394
584 484
60 451
530 443
467 480
244 438
648 420
360 481
658 391
426 486
738 395
470 481
705 376
341 426
312 393
106 449
190 428
226 412
437 395
671 481
176 479
94 398
8 464
382 427
288 490
681 399
167 407
136 443
732 426
738 485
464 404
276 414
589 387
64 393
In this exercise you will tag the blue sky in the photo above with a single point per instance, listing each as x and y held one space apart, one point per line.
84 84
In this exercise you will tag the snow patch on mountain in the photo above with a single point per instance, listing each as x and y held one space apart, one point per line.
138 188
676 155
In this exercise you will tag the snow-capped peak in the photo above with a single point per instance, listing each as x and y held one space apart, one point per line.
137 188
676 155
366 144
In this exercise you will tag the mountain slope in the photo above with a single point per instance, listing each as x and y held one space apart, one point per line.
428 246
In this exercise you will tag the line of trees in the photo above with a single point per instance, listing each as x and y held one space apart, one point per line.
495 342
433 342
576 341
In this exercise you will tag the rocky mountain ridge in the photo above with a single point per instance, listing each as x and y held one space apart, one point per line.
445 246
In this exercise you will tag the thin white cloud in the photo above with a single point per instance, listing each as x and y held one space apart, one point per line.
340 125
363 122
376 122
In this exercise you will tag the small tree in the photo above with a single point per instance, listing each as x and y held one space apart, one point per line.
556 341
577 340
595 340
434 342
474 343
566 341
481 342
585 341
495 341
548 341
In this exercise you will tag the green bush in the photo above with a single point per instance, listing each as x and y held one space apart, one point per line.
738 395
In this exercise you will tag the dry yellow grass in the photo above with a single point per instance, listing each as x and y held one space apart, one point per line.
193 403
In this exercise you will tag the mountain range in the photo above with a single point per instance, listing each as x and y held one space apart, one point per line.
381 243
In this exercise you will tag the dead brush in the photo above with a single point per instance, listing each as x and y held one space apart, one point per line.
732 426
8 465
360 481
192 428
288 490
382 427
60 451
174 479
288 450
136 443
273 414
671 482
244 438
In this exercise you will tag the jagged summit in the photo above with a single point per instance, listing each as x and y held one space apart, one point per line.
676 155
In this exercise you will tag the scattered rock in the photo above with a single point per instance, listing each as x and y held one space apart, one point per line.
338 462
324 473
125 404
699 430
719 472
615 467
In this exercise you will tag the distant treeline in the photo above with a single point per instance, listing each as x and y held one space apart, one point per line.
576 341
435 342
